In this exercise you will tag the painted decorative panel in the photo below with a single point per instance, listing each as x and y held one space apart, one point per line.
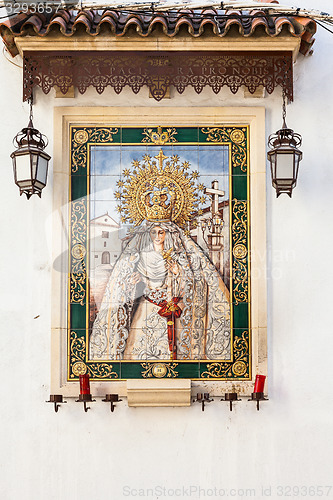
159 253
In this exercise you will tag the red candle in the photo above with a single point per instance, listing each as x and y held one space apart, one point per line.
84 384
259 383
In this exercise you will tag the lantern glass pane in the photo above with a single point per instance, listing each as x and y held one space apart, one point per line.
297 160
285 166
23 171
34 161
42 170
272 159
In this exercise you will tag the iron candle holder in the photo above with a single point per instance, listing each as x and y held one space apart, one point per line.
257 396
203 398
230 396
85 398
56 399
112 398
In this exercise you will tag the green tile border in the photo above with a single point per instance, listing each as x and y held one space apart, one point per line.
236 369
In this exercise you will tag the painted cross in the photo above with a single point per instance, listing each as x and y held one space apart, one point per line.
215 192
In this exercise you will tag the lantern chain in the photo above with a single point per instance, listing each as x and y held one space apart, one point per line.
284 107
30 112
284 97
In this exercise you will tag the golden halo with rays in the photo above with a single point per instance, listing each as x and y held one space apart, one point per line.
158 190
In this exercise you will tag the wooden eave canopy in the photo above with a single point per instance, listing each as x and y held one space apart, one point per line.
189 47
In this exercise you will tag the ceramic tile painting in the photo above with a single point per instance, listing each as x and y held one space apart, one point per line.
159 268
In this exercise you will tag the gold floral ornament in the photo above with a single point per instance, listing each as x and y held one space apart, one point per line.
158 190
237 136
78 251
79 368
239 368
81 136
239 251
159 137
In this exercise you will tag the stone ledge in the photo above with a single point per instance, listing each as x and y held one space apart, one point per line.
153 392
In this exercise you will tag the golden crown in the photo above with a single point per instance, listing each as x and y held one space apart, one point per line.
157 190
158 204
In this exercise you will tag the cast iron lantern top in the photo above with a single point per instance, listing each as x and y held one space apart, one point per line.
30 137
284 137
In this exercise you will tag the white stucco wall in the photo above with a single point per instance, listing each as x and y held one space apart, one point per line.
289 442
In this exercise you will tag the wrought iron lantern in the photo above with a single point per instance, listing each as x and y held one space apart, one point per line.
284 157
30 161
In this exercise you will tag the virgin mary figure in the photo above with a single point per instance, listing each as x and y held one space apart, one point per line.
164 298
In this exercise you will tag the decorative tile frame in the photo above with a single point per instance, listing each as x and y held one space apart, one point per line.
218 125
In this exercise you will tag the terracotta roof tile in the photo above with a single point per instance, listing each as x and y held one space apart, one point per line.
195 22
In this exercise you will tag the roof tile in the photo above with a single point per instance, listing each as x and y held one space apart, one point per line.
195 22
